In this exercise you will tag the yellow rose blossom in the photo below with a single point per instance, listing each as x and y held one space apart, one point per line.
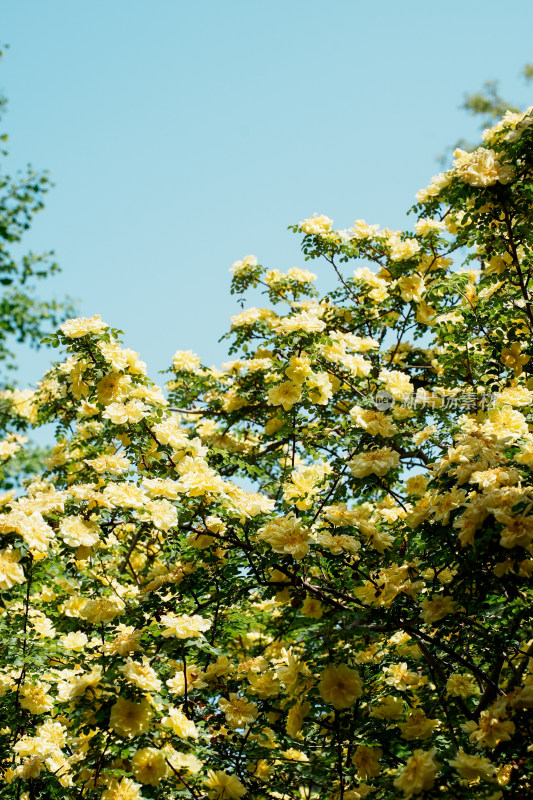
243 265
366 761
238 710
374 462
316 225
149 766
513 358
375 422
125 789
286 535
126 413
295 718
419 773
180 724
129 718
183 626
340 686
35 697
389 707
186 361
417 726
223 786
473 767
75 328
77 532
102 609
141 675
460 685
490 730
481 167
399 676
11 571
437 607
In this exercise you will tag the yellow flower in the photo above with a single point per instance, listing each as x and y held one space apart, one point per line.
102 609
473 767
194 680
505 422
286 394
186 361
419 773
459 685
518 532
292 754
320 388
417 726
163 514
125 641
374 462
490 730
389 707
125 790
411 287
340 686
243 265
76 640
312 608
316 224
130 719
238 710
425 227
36 532
481 168
180 724
417 485
304 321
399 676
401 250
286 535
366 759
184 627
149 765
125 495
113 387
396 383
375 422
295 718
35 697
362 230
10 570
438 607
265 685
77 683
223 786
141 675
125 413
513 358
299 369
77 532
74 328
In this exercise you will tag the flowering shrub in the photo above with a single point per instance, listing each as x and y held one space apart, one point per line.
305 574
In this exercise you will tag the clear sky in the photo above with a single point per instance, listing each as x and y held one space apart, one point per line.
182 136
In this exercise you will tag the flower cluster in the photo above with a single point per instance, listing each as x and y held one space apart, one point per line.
262 585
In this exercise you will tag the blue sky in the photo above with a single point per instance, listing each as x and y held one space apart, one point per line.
182 136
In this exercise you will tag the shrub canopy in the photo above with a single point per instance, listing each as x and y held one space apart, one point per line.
305 574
